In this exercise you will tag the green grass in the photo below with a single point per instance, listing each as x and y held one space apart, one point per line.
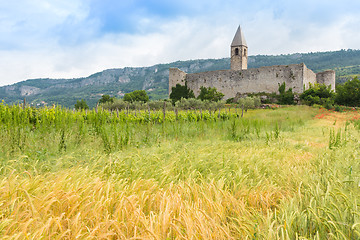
289 173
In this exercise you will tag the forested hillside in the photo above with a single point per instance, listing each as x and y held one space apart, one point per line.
346 63
154 79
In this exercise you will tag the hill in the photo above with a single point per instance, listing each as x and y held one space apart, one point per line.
154 79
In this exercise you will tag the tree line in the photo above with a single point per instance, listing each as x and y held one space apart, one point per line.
347 94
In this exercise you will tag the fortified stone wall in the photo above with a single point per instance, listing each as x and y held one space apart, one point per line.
327 78
309 78
176 76
264 79
242 80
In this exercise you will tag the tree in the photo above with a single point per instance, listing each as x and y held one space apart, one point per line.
106 98
318 94
285 97
210 94
348 93
249 102
180 91
79 105
137 95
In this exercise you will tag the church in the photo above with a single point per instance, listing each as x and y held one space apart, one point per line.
240 79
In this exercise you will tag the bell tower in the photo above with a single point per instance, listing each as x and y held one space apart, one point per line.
239 51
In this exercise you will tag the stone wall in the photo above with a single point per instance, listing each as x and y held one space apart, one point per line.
309 78
327 78
264 79
176 76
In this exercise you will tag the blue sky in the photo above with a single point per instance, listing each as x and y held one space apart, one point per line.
75 38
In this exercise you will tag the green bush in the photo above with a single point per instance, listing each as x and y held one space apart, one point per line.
158 105
180 91
229 100
116 104
328 103
120 104
338 108
264 97
193 103
285 97
210 94
190 103
81 104
137 95
348 94
249 102
106 98
318 94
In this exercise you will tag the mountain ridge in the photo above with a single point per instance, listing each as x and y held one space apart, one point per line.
154 79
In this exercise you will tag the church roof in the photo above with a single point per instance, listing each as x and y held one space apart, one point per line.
239 39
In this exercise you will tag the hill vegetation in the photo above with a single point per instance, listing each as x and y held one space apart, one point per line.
154 79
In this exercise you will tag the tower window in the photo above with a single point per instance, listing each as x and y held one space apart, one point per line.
245 52
236 51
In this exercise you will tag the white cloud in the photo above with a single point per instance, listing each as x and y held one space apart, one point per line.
180 40
60 40
30 24
268 34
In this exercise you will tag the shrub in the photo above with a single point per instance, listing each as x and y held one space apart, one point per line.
79 105
328 103
264 97
285 97
338 108
106 98
137 95
249 102
190 103
138 105
193 103
229 100
179 92
210 94
116 104
157 105
348 94
318 94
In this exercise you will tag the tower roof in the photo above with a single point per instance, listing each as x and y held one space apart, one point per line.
239 39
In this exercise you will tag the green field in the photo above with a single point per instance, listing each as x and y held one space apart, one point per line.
285 173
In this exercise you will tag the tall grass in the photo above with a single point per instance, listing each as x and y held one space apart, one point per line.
273 174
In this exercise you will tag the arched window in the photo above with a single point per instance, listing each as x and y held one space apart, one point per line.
245 52
236 51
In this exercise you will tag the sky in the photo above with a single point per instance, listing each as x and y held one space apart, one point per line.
76 38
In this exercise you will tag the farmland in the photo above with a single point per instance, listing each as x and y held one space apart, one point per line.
286 173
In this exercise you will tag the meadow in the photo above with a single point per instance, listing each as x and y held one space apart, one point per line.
286 173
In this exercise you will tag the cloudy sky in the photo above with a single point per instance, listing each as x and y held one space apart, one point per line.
75 38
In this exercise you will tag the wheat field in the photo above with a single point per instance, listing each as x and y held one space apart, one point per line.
287 173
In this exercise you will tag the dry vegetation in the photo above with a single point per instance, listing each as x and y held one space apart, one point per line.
291 173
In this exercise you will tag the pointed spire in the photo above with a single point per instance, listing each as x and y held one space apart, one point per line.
239 39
